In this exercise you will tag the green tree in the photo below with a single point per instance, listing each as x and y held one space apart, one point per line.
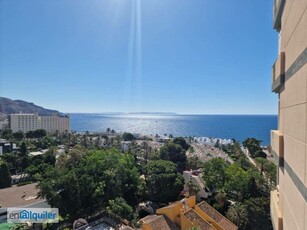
238 214
23 157
39 133
5 177
258 210
253 190
182 142
222 204
119 207
163 182
253 172
217 144
49 157
11 160
253 145
19 227
261 162
73 158
215 173
243 161
7 134
128 137
194 163
174 153
236 181
46 142
18 135
260 153
271 172
30 134
81 187
193 188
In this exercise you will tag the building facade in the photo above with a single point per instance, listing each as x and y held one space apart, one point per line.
289 142
30 122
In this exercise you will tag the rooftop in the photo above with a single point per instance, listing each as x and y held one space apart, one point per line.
156 222
217 217
19 196
195 218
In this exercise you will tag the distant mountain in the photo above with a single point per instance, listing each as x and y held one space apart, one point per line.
154 113
8 106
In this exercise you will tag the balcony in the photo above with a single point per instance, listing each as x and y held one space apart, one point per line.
277 13
278 73
277 143
276 215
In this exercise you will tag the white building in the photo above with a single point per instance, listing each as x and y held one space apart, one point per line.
23 122
30 122
213 141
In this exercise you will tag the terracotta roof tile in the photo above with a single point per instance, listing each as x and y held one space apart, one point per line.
217 217
194 217
156 222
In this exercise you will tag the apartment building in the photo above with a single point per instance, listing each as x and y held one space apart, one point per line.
54 123
30 122
289 142
23 122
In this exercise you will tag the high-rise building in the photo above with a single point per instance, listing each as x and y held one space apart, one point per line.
30 122
23 122
289 142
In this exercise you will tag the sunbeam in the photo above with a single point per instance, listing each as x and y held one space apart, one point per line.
133 79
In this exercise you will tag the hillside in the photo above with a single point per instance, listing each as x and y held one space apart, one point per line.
8 106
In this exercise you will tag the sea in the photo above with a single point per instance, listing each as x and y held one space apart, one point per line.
238 127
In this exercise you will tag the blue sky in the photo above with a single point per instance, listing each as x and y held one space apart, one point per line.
184 56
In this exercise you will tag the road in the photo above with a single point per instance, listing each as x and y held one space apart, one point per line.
251 160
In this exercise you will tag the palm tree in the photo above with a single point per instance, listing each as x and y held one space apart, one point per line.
237 214
221 198
146 150
261 163
194 162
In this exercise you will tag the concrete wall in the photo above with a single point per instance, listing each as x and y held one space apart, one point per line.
293 116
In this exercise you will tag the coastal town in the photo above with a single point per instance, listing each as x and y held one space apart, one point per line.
153 115
196 190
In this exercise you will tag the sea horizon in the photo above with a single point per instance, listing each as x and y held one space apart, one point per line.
238 127
174 113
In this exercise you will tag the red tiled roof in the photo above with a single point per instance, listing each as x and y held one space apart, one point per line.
156 222
217 217
194 217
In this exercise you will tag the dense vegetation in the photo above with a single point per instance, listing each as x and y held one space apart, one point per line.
244 185
5 177
93 175
84 182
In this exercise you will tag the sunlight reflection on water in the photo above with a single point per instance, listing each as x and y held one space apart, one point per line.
222 126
